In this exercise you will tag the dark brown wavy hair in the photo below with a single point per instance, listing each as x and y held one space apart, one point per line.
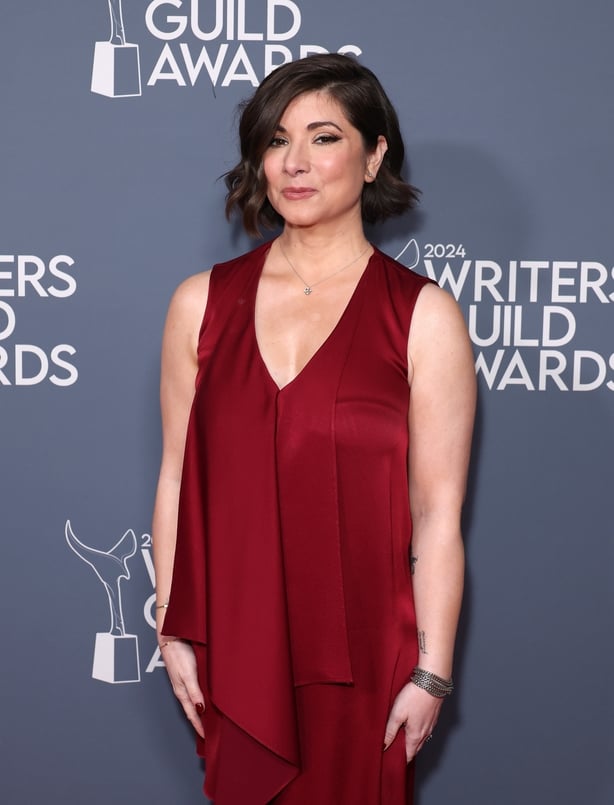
365 105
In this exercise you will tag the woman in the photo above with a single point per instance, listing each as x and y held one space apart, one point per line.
301 636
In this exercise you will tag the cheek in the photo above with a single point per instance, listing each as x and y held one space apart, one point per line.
270 173
350 168
269 169
334 167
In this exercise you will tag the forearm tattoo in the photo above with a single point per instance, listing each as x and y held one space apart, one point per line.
422 642
412 563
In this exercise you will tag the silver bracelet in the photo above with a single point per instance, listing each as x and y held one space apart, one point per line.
431 683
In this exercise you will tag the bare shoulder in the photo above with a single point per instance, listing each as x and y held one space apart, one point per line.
187 307
438 331
190 297
436 308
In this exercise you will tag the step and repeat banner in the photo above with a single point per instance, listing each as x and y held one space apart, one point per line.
117 120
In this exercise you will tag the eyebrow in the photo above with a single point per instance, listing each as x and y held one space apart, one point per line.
317 124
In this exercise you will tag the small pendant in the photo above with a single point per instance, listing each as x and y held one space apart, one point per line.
307 291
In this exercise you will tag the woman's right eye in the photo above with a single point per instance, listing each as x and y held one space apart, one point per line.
277 142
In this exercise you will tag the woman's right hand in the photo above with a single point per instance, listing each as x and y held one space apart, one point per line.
178 656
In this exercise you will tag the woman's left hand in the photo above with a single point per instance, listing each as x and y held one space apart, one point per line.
417 711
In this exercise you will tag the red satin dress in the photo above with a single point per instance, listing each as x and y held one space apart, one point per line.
292 575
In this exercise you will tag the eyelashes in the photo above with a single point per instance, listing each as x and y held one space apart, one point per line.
325 139
321 139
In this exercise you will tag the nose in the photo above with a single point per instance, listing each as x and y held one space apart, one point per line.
296 158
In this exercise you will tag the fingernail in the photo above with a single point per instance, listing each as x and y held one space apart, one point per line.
200 707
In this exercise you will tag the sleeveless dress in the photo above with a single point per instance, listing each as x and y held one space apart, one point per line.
292 575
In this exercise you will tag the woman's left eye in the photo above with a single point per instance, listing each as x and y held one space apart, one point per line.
325 139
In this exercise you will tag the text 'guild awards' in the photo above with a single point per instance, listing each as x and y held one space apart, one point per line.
117 71
116 654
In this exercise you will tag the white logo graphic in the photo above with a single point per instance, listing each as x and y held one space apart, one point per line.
25 278
219 43
530 320
412 258
117 71
116 654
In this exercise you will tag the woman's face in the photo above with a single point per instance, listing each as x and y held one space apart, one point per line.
316 164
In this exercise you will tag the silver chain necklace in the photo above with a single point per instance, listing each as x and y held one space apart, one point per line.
308 288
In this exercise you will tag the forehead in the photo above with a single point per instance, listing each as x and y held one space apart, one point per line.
314 106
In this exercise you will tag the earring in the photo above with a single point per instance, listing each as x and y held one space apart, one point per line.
370 175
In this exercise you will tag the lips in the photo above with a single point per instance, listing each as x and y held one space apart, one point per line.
297 193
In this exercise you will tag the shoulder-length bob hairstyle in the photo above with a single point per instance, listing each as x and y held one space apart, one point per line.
365 105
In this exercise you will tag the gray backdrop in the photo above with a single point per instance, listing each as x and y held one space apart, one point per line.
108 202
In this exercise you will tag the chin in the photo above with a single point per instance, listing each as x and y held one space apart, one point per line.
303 219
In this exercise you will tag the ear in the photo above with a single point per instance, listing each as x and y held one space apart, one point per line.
374 159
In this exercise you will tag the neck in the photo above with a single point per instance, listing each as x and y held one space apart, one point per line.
324 266
322 248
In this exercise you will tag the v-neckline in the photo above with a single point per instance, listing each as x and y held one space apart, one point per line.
324 343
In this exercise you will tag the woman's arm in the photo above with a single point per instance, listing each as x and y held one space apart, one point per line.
442 406
178 375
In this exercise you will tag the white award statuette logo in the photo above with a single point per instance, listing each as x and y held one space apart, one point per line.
116 655
410 254
117 71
